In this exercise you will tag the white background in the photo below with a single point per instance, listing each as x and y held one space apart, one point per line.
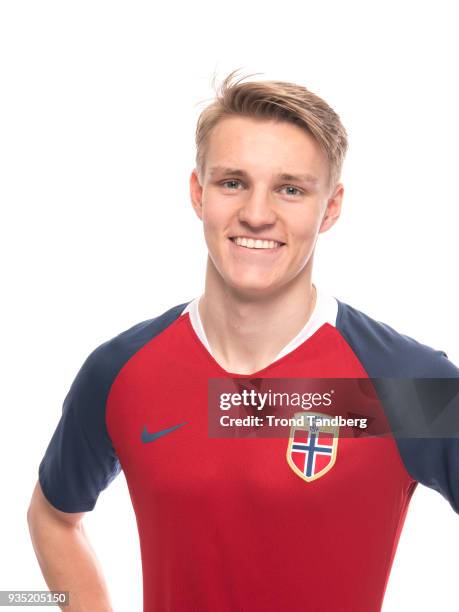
98 108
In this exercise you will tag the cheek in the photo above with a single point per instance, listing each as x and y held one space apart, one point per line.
210 225
305 224
215 218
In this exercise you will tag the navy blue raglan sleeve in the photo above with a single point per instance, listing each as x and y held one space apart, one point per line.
431 454
80 460
419 389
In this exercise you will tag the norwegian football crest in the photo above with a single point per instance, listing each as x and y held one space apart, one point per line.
312 446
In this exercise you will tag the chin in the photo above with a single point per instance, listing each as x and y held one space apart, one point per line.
253 288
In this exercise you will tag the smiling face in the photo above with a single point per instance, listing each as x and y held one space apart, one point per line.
263 199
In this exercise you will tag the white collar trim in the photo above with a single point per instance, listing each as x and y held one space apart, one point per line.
325 311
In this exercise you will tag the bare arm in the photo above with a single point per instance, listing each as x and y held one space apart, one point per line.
65 555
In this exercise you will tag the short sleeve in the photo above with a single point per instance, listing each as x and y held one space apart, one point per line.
432 455
80 460
422 404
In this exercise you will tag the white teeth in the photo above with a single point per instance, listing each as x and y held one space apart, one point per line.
250 243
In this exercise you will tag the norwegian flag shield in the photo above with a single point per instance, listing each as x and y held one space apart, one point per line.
312 446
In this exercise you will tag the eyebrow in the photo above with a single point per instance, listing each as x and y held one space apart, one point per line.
225 171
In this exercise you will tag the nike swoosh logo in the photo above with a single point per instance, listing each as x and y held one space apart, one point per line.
149 437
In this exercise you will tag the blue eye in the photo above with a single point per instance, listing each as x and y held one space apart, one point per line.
231 184
293 191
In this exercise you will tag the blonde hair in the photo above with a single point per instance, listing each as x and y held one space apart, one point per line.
276 100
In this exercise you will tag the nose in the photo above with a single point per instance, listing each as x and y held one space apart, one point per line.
257 208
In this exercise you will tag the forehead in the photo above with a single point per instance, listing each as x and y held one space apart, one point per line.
259 146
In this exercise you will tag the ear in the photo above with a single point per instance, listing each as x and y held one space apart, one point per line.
196 193
333 210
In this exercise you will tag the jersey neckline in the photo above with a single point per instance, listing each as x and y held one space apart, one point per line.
325 311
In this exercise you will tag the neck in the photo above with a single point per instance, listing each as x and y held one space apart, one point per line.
246 334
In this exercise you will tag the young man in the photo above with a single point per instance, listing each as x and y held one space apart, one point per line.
243 524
